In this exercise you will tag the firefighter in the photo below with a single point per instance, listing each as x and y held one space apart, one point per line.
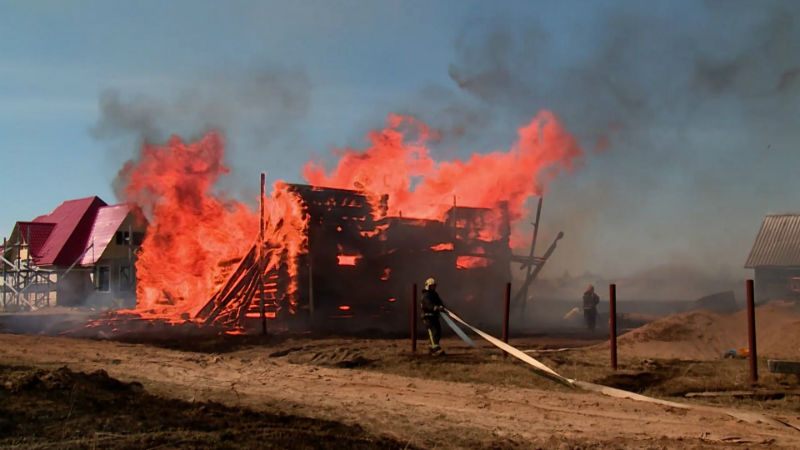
431 307
590 301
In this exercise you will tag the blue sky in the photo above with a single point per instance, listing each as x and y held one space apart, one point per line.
698 99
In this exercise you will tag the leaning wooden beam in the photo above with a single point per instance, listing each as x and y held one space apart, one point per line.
532 275
247 300
225 302
212 303
240 296
244 266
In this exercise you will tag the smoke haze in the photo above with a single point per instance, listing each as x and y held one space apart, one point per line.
687 111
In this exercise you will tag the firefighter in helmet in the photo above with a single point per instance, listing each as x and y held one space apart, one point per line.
590 301
431 307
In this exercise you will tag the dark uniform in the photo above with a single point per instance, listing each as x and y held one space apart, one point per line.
431 306
590 301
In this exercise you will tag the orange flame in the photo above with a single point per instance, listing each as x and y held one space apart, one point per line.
347 260
471 262
444 246
392 165
195 233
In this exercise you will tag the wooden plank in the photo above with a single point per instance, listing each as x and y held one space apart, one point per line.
214 302
762 395
783 366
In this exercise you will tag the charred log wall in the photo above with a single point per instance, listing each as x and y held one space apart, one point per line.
358 271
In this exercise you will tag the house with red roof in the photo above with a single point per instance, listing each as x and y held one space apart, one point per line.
81 253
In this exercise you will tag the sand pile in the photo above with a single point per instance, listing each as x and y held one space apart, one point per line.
708 335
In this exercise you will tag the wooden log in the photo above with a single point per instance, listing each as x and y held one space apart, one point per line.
236 291
234 284
761 395
245 264
246 301
240 300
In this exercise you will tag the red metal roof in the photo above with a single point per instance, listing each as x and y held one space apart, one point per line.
73 221
777 242
107 222
38 232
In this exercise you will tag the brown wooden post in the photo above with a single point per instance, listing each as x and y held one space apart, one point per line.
751 332
261 307
507 303
414 317
612 321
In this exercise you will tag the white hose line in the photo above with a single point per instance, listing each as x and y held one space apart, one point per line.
541 369
459 332
538 367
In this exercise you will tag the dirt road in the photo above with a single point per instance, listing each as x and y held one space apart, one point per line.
422 412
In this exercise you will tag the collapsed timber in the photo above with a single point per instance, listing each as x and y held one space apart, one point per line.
358 266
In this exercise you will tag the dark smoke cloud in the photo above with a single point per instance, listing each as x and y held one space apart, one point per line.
254 110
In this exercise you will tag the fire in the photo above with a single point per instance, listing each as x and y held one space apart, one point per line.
197 235
285 228
471 262
193 231
393 163
444 246
347 260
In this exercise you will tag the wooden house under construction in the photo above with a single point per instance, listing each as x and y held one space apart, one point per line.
82 253
360 266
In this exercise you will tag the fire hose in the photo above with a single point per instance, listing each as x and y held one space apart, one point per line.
459 331
543 370
537 366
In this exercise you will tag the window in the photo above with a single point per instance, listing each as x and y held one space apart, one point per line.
125 238
125 281
103 278
122 237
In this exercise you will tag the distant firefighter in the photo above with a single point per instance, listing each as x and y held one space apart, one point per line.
590 301
431 307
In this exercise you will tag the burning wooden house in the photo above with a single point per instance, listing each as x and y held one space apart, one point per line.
360 264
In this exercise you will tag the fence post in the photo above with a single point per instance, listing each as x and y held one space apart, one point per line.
751 332
507 303
612 322
414 318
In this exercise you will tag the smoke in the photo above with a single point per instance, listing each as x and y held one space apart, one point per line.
254 109
634 68
640 85
261 103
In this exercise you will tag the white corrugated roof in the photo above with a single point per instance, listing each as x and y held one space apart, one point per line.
777 242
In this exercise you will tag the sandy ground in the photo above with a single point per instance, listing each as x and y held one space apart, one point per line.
705 335
409 408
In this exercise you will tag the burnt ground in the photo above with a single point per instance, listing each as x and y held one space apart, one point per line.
367 390
59 408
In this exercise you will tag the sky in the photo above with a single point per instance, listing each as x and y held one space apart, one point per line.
688 111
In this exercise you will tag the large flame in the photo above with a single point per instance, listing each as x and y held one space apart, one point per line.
195 233
418 186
